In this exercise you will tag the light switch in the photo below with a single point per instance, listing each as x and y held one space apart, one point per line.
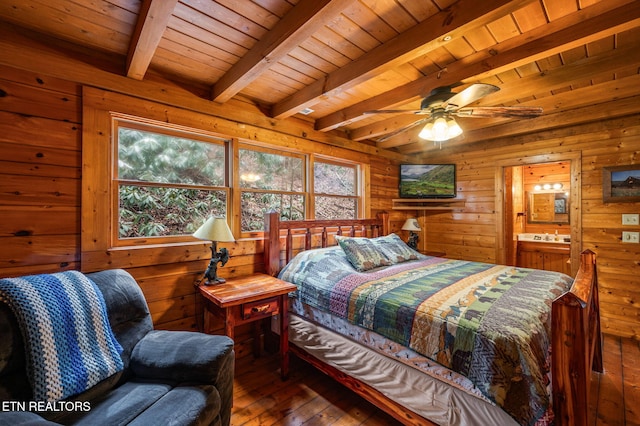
630 219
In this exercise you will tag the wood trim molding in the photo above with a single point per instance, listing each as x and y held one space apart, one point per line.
575 200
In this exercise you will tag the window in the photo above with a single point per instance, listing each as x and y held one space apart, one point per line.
152 173
276 180
270 181
335 188
168 182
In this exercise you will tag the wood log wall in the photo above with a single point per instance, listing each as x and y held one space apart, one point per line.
474 232
41 130
40 200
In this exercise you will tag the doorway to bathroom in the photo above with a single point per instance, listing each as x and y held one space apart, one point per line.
537 207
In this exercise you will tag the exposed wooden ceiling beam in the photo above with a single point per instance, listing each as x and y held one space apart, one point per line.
594 108
420 39
305 19
152 22
602 65
383 127
587 25
595 67
32 52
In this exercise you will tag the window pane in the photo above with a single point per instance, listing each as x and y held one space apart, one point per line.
153 212
334 179
152 157
256 204
336 208
261 170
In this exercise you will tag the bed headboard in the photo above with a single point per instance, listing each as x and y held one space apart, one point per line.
275 230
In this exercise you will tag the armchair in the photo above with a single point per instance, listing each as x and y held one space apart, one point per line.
169 377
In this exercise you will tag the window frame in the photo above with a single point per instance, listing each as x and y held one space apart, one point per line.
358 184
309 160
146 125
243 145
95 138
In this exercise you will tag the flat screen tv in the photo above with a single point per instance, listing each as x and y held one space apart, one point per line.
427 181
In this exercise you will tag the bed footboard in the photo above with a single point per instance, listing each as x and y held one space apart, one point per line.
576 345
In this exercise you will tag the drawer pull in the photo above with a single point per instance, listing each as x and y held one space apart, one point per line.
260 309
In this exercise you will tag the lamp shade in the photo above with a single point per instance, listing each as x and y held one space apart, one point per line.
214 229
411 224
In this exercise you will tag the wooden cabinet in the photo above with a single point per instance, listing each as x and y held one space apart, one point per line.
547 256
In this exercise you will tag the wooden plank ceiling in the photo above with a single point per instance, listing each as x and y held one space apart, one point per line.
341 58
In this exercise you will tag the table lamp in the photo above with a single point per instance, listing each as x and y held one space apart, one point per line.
412 225
216 230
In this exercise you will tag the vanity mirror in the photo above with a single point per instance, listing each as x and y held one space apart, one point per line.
548 207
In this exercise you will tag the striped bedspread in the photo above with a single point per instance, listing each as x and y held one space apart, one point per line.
490 323
69 343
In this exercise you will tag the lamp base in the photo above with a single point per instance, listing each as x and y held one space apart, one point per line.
211 274
413 240
215 281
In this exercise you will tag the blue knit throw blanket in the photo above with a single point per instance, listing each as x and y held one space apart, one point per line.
69 343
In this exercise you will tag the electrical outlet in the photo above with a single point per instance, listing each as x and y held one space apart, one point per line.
630 219
630 237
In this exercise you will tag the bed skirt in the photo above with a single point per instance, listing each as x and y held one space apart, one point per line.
426 396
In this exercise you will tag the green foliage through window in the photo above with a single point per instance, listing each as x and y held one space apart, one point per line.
270 182
168 185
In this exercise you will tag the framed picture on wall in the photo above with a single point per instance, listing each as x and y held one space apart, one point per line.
621 184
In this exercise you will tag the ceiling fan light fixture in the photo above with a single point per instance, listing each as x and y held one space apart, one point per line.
454 128
440 130
427 132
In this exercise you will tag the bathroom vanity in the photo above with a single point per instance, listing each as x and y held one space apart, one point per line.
544 251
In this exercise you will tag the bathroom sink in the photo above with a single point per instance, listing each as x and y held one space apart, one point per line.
545 238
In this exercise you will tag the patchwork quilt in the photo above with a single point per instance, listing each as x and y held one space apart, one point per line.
490 323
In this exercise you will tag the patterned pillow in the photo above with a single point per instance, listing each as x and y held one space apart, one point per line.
395 249
362 253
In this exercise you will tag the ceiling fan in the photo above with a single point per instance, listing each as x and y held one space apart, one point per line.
442 105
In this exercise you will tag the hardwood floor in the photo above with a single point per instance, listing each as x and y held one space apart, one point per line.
311 398
615 395
308 397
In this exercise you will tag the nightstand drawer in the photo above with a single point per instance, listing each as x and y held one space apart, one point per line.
264 307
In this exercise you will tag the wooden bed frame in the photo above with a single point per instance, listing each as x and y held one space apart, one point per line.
576 336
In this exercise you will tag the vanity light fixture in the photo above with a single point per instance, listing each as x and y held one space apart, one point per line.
547 186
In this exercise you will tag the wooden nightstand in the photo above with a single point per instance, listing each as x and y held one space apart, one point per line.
248 299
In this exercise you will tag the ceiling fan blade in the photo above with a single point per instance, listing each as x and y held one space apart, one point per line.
469 95
398 111
492 112
402 129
